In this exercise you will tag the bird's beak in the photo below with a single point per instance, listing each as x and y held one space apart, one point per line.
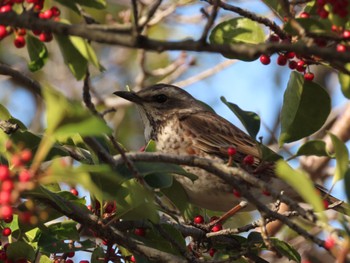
129 95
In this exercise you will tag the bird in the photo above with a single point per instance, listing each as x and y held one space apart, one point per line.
180 124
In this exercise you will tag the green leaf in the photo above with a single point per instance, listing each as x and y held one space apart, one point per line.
347 184
297 178
75 61
320 26
276 7
159 180
315 147
97 4
151 146
97 255
176 196
4 113
20 250
66 118
135 202
344 80
285 249
237 31
341 156
86 51
249 119
306 106
70 4
66 230
44 259
37 53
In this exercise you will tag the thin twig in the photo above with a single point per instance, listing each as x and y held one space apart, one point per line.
210 22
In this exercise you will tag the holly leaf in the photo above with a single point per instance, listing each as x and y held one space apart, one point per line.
306 106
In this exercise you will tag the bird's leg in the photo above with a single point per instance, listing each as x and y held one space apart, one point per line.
228 214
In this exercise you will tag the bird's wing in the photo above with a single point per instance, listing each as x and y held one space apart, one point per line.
213 134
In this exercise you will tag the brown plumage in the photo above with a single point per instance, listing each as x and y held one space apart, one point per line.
179 124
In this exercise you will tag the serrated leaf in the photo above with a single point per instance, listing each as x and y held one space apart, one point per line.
315 147
38 53
344 80
20 250
72 56
306 106
249 119
295 179
341 156
285 249
236 31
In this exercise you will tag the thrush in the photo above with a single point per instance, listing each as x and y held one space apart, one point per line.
180 124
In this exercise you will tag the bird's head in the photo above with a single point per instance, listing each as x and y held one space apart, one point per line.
162 100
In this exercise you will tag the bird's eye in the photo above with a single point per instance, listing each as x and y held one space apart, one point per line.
161 98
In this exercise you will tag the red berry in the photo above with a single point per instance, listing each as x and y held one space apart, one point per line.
140 231
341 48
329 242
24 176
231 151
265 192
3 255
290 55
265 59
323 13
69 261
4 172
46 14
7 185
132 259
6 211
26 155
304 15
236 193
346 34
5 8
8 219
198 219
71 254
212 252
36 32
55 11
301 66
248 160
292 64
216 228
21 32
110 208
274 38
325 204
309 76
5 197
45 36
19 42
84 261
3 31
6 231
281 60
16 160
74 191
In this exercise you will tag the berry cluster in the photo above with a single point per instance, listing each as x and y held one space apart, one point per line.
337 7
291 59
199 220
20 33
